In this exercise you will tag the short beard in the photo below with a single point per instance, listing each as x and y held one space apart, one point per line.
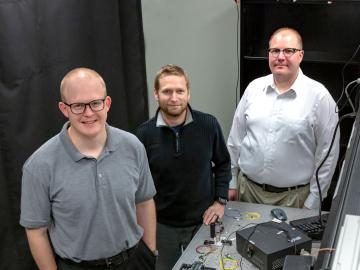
171 114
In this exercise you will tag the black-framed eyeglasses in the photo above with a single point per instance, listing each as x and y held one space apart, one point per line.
79 108
288 52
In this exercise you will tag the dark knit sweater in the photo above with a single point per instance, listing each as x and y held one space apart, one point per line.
191 168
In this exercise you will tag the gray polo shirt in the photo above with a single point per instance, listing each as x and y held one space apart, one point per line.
87 204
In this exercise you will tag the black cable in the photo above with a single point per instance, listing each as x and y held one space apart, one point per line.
349 115
347 100
343 73
356 82
227 238
357 97
222 248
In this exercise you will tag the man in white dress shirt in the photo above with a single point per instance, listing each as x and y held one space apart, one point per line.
282 131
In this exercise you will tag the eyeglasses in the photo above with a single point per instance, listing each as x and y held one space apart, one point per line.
79 108
288 52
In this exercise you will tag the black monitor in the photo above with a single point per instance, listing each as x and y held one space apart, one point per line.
346 199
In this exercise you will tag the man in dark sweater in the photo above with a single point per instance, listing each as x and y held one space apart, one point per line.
189 163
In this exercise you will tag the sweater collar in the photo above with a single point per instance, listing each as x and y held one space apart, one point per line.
161 123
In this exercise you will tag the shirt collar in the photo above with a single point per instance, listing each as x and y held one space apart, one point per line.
73 151
68 145
160 122
110 143
294 88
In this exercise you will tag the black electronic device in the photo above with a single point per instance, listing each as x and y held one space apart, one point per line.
195 266
212 230
279 214
311 226
267 244
296 262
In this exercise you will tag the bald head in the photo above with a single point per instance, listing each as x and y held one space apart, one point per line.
287 31
79 74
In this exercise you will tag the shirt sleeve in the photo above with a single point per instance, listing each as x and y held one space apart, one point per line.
326 123
35 202
236 136
146 188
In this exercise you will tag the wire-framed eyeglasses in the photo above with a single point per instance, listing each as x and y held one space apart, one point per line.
288 52
79 108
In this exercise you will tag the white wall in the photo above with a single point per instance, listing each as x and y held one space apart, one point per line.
200 36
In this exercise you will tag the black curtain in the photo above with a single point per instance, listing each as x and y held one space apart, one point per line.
40 41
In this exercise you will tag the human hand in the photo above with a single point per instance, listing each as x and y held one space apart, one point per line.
214 212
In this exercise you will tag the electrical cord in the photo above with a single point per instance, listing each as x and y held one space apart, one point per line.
204 251
243 227
222 248
327 250
357 81
350 115
231 261
343 74
237 214
347 100
222 264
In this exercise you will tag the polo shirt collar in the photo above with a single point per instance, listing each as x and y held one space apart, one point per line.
68 145
73 151
110 143
161 123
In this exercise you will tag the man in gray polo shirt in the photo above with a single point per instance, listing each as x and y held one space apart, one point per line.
89 188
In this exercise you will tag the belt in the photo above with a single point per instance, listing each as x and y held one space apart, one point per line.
270 188
111 261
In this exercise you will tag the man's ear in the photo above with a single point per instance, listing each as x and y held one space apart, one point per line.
301 55
62 108
156 94
108 102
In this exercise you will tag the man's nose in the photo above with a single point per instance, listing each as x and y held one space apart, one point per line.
88 109
281 55
174 96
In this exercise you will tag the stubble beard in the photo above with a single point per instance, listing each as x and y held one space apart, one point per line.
172 114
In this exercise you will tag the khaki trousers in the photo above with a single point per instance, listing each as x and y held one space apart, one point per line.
252 193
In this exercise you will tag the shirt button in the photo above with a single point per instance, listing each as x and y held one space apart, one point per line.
100 175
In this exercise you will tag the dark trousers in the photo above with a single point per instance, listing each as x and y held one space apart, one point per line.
171 242
66 266
141 259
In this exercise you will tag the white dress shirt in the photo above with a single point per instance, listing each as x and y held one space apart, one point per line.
280 139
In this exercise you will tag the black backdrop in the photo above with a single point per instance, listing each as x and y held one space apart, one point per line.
40 40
